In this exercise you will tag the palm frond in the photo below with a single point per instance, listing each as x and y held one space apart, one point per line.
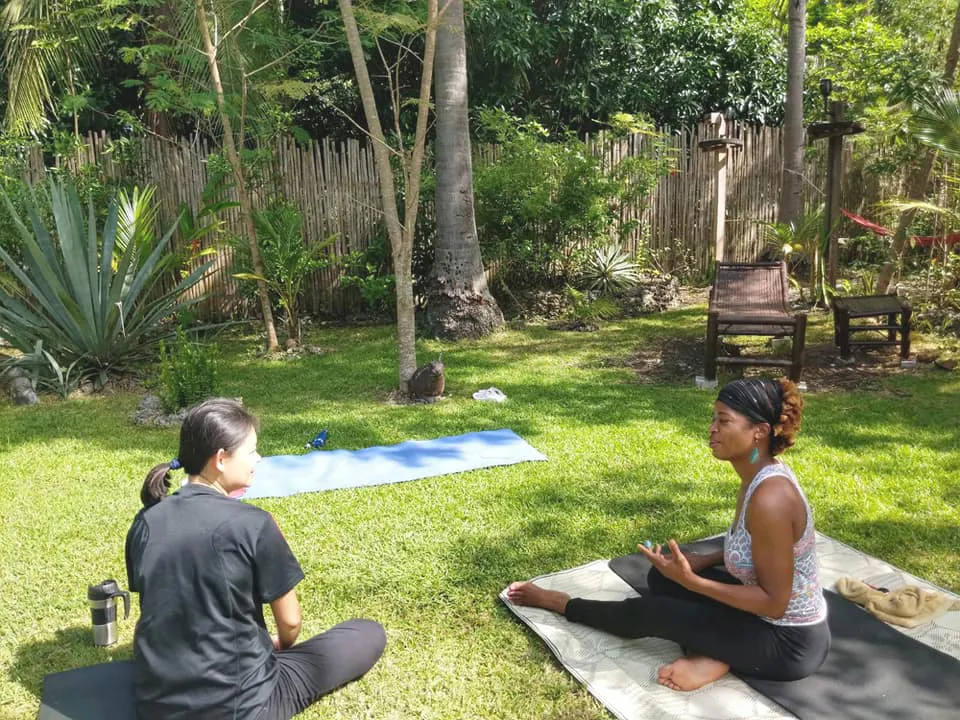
936 121
35 60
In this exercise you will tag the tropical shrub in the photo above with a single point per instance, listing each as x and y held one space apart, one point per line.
368 271
79 294
587 310
801 244
46 373
288 258
542 205
188 372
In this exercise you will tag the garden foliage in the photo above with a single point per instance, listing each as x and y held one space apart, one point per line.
82 296
543 205
188 372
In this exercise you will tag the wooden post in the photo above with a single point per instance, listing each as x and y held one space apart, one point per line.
834 183
713 346
720 216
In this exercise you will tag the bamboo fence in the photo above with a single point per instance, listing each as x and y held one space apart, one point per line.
334 185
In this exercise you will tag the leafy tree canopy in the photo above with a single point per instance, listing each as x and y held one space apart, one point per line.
570 63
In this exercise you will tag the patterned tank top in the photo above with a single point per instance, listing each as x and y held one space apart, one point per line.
807 604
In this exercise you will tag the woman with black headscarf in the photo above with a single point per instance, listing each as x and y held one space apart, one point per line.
765 615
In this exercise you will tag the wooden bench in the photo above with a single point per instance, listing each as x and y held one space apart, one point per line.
751 299
886 307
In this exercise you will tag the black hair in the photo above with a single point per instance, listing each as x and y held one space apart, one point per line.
213 424
777 403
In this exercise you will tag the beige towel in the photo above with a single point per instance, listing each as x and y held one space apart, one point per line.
906 606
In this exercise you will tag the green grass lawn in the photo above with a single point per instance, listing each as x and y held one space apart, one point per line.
628 461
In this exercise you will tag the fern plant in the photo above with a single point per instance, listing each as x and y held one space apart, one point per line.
586 309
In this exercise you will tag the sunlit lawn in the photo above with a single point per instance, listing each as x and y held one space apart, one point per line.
627 462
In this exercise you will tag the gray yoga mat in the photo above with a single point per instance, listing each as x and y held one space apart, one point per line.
97 692
873 672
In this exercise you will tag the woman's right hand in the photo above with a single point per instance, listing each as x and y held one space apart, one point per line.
698 561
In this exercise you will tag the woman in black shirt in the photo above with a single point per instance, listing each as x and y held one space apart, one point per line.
204 565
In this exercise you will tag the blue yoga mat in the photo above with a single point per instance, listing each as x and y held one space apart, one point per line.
282 475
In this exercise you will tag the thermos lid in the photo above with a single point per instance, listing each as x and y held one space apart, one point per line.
103 591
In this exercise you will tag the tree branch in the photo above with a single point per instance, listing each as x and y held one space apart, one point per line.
423 117
394 92
246 18
366 132
286 54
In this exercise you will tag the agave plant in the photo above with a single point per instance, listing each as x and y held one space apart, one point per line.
81 295
610 270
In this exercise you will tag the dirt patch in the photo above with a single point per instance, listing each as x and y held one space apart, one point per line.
678 360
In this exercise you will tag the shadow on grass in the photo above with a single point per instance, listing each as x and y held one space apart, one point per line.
572 527
69 649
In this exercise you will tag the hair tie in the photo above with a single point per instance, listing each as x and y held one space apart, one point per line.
175 464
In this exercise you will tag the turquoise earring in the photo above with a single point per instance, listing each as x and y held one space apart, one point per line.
754 455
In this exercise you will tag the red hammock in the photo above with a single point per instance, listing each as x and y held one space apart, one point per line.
923 240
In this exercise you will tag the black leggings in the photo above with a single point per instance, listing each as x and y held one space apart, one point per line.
703 626
311 669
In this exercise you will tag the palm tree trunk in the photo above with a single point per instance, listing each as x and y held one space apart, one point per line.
243 195
791 187
293 317
460 304
920 177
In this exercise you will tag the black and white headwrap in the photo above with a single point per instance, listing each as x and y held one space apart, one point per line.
761 401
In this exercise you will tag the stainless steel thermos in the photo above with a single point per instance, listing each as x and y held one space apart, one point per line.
103 610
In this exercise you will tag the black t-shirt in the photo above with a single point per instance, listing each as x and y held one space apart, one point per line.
204 565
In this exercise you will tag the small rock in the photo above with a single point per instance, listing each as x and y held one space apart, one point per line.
170 419
151 403
654 293
150 412
19 386
22 392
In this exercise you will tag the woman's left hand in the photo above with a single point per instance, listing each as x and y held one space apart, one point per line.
674 566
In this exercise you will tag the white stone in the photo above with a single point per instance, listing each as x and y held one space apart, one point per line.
704 384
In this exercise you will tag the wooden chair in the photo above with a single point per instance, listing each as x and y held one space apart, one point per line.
751 299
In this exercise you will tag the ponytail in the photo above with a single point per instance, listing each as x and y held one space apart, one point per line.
155 485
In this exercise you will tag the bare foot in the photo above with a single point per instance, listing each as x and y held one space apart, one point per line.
526 593
690 673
